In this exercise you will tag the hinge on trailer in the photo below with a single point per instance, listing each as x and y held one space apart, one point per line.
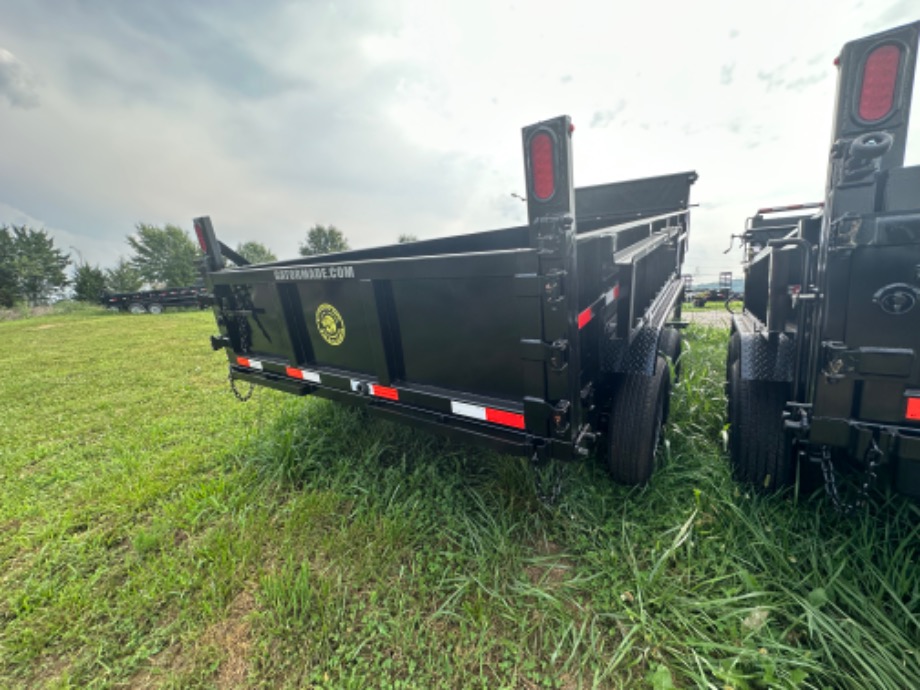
845 229
555 354
561 421
551 232
841 362
553 286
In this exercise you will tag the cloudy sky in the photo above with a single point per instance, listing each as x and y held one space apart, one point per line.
404 116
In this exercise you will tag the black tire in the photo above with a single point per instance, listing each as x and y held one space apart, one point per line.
136 308
635 424
155 308
760 455
670 344
732 356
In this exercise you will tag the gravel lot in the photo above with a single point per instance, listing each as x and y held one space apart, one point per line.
710 317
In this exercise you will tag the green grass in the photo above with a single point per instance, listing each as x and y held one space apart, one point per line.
717 305
155 532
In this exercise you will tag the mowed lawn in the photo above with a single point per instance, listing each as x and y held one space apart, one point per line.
155 532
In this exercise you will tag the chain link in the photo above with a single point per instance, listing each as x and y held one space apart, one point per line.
243 328
549 488
873 459
242 397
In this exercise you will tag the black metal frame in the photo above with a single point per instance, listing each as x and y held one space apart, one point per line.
575 307
813 316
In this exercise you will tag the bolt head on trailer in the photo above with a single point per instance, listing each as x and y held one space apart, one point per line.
823 364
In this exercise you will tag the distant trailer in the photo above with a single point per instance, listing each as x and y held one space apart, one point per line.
155 301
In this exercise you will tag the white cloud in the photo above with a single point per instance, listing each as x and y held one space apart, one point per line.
405 116
17 84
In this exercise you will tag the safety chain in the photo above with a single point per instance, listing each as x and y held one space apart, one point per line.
873 460
548 489
243 328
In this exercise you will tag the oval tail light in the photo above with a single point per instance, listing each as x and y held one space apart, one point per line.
879 82
542 162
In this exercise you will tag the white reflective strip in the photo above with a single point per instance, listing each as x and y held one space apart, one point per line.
255 364
467 410
311 376
370 389
610 295
354 385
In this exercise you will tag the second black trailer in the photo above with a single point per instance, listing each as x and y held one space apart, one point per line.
823 365
541 339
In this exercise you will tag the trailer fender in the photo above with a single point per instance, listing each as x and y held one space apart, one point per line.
642 353
767 359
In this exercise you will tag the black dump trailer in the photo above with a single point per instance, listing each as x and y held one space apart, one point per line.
155 301
824 361
537 340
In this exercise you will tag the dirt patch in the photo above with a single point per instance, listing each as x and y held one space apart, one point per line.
552 568
49 671
46 326
548 573
233 635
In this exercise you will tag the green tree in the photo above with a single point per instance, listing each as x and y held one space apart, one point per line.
323 239
255 252
406 237
36 266
165 256
88 283
8 289
123 278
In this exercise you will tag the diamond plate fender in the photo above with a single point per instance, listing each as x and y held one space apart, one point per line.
637 358
767 358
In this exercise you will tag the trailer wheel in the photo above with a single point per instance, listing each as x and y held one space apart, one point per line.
670 345
734 352
635 425
155 308
136 308
760 455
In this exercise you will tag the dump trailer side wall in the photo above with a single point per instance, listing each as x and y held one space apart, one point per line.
502 337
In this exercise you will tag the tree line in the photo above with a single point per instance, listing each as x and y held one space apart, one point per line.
34 271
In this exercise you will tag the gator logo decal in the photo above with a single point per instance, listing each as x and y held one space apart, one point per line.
896 299
330 323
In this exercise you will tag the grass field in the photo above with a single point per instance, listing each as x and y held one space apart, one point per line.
156 533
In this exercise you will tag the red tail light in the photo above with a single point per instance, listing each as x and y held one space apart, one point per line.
880 78
542 166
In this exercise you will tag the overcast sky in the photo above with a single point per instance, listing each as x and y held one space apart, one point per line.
404 116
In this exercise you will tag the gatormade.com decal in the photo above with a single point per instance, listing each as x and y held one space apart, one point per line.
315 273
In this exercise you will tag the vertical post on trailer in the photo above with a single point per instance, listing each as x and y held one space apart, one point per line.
551 216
